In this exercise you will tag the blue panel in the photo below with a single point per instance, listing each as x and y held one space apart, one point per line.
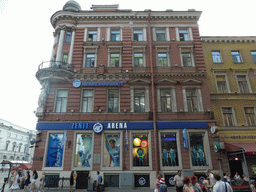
181 125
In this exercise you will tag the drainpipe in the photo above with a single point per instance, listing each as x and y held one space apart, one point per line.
153 93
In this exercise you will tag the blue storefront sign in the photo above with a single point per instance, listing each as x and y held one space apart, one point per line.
78 83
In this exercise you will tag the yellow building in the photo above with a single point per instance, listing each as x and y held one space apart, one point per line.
231 70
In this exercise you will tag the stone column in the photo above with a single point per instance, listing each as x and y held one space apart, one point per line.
60 45
70 55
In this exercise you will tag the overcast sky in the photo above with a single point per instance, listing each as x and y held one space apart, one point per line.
26 39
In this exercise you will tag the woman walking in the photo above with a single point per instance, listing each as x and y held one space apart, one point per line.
34 178
27 181
15 185
42 183
187 185
71 181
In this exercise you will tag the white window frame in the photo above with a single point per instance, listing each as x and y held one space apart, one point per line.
221 60
112 132
226 79
167 33
90 50
87 132
247 80
240 55
142 168
118 100
199 100
233 115
108 33
173 98
187 49
163 49
86 33
207 152
139 49
115 49
136 29
190 34
147 103
173 168
82 96
55 103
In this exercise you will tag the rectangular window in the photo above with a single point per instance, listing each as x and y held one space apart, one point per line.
221 84
162 60
236 57
87 101
61 101
140 154
55 151
113 100
169 149
138 60
7 145
115 35
253 56
186 59
160 35
139 100
228 116
111 150
166 100
183 34
65 58
83 156
242 84
250 116
114 60
137 35
198 146
192 100
92 35
68 37
90 60
216 57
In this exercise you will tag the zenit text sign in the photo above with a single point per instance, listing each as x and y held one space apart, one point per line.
78 83
116 125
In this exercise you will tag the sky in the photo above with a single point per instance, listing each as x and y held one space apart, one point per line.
26 39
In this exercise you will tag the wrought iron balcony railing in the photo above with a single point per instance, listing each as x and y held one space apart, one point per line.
55 64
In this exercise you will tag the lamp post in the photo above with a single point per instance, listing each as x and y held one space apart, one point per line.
4 162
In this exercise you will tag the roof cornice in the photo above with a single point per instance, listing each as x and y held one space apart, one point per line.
228 39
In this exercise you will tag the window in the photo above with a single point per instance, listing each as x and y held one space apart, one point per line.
92 35
55 151
4 157
236 57
114 60
160 35
216 57
61 100
68 37
242 84
198 146
253 56
65 58
90 60
87 101
139 100
140 155
186 59
183 34
221 83
113 100
7 145
162 60
137 35
25 149
169 149
111 150
19 148
192 100
228 116
115 35
138 60
250 116
166 100
83 154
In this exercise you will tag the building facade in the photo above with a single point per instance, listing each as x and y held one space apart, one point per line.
230 66
125 93
15 143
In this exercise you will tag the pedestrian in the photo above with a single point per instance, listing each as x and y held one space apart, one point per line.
211 177
99 180
157 183
178 182
34 178
252 186
237 176
27 181
162 186
195 184
187 185
245 178
220 185
15 185
71 181
11 179
206 184
42 183
226 178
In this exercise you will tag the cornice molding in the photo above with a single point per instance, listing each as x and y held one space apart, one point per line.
228 39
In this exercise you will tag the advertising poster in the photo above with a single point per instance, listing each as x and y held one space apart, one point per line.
83 151
112 151
55 151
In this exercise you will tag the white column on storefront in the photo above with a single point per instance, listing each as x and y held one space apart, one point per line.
70 55
60 45
55 34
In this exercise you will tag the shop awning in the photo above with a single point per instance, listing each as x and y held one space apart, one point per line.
249 148
23 167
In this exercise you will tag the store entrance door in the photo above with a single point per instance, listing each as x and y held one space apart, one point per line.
82 179
235 166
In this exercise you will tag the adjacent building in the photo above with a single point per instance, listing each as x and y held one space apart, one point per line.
230 66
124 93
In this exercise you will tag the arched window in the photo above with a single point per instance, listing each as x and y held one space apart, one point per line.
4 157
17 158
7 145
12 158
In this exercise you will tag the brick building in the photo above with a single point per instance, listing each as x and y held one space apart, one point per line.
125 93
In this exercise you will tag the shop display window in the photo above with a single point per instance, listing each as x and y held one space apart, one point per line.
111 150
83 154
198 146
169 149
140 150
55 150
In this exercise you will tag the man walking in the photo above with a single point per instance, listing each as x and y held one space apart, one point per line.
220 185
99 180
178 182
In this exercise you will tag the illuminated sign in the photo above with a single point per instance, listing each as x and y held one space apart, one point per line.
117 126
78 83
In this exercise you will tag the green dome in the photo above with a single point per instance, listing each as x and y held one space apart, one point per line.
72 6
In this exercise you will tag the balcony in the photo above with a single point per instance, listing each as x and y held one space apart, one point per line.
55 71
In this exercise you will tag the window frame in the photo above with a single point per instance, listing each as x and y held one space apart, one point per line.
147 103
140 58
138 35
160 36
56 100
226 80
219 57
234 123
113 101
254 114
190 35
90 50
115 35
91 32
236 56
173 98
199 98
253 54
68 36
247 81
184 50
82 100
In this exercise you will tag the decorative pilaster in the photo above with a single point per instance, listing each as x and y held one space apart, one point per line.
71 49
60 45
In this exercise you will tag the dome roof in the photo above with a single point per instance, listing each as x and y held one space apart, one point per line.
72 5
